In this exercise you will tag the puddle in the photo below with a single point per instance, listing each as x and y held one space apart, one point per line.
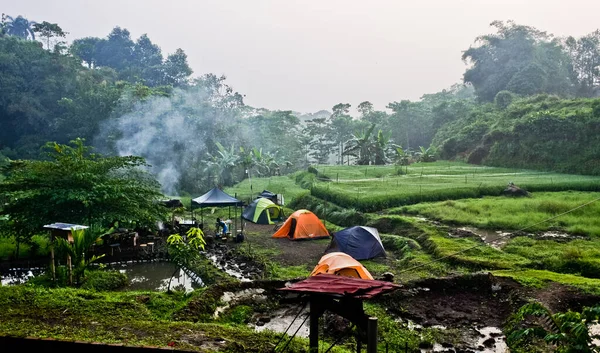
155 276
484 340
496 239
229 298
281 319
232 269
19 276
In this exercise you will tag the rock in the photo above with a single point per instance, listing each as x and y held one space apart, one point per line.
447 345
513 190
425 345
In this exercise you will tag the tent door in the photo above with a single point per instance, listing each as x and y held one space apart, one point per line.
292 228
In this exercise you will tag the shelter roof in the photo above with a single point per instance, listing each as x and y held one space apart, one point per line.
216 197
65 226
342 286
267 193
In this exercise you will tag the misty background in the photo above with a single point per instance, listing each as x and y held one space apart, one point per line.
307 56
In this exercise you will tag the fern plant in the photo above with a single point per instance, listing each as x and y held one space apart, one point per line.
567 332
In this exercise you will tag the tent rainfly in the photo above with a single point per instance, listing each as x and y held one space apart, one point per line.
302 224
362 243
262 211
341 264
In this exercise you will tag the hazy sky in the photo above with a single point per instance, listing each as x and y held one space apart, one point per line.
310 55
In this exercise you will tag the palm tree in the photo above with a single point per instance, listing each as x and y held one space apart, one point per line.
19 27
360 146
76 250
427 154
246 160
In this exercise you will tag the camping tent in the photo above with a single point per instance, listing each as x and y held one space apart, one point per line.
268 195
341 264
262 211
216 198
360 242
302 224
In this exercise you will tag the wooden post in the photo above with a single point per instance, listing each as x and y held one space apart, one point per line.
52 266
358 343
372 335
313 337
70 267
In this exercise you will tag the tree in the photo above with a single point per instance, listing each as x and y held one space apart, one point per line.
76 250
176 70
86 49
48 30
77 186
221 165
566 332
116 51
184 252
518 58
585 55
19 27
361 146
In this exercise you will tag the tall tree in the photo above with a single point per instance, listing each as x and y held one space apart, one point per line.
117 51
49 30
19 27
176 71
87 50
518 58
585 54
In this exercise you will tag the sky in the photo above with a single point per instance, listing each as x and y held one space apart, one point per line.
309 55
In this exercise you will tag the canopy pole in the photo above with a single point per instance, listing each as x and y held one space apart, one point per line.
235 217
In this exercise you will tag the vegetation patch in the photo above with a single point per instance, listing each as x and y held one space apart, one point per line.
541 278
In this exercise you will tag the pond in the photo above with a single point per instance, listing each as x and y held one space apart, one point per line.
155 276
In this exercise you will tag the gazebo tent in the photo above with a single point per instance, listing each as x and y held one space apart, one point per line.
216 198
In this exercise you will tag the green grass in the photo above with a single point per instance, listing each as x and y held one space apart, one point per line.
39 247
372 188
132 318
506 213
284 185
539 278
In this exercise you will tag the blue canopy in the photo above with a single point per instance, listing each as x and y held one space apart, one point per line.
216 198
360 242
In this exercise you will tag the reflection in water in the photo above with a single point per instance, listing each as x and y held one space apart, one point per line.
155 276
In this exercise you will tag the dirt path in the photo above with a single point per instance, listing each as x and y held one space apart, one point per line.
284 251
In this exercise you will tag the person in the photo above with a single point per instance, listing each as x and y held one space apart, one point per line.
223 226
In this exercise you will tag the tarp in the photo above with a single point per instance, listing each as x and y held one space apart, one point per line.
341 264
302 224
216 198
267 194
362 243
262 211
338 285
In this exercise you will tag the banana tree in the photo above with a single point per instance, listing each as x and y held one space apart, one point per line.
221 165
381 147
76 250
427 154
246 161
360 146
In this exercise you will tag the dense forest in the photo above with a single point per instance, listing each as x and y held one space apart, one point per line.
527 100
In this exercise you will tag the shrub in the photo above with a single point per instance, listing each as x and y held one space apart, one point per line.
101 280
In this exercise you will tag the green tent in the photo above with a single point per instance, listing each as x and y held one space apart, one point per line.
263 211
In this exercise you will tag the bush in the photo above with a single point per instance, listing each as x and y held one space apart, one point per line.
101 280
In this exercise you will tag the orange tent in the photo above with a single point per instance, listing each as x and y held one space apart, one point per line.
341 264
302 224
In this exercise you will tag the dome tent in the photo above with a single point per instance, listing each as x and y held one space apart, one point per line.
262 211
362 243
341 264
302 224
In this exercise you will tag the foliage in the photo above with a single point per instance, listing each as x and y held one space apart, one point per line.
76 250
102 280
18 27
48 30
80 187
565 332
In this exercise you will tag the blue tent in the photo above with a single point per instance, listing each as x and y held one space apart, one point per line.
360 242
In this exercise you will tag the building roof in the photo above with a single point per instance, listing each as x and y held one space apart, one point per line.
65 226
342 286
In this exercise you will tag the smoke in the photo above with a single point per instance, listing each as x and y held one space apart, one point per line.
166 131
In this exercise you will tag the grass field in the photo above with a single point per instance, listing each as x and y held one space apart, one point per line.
373 188
247 190
510 214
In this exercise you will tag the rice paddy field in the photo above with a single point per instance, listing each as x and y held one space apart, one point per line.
373 188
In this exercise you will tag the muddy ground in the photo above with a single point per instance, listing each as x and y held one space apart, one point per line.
466 303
